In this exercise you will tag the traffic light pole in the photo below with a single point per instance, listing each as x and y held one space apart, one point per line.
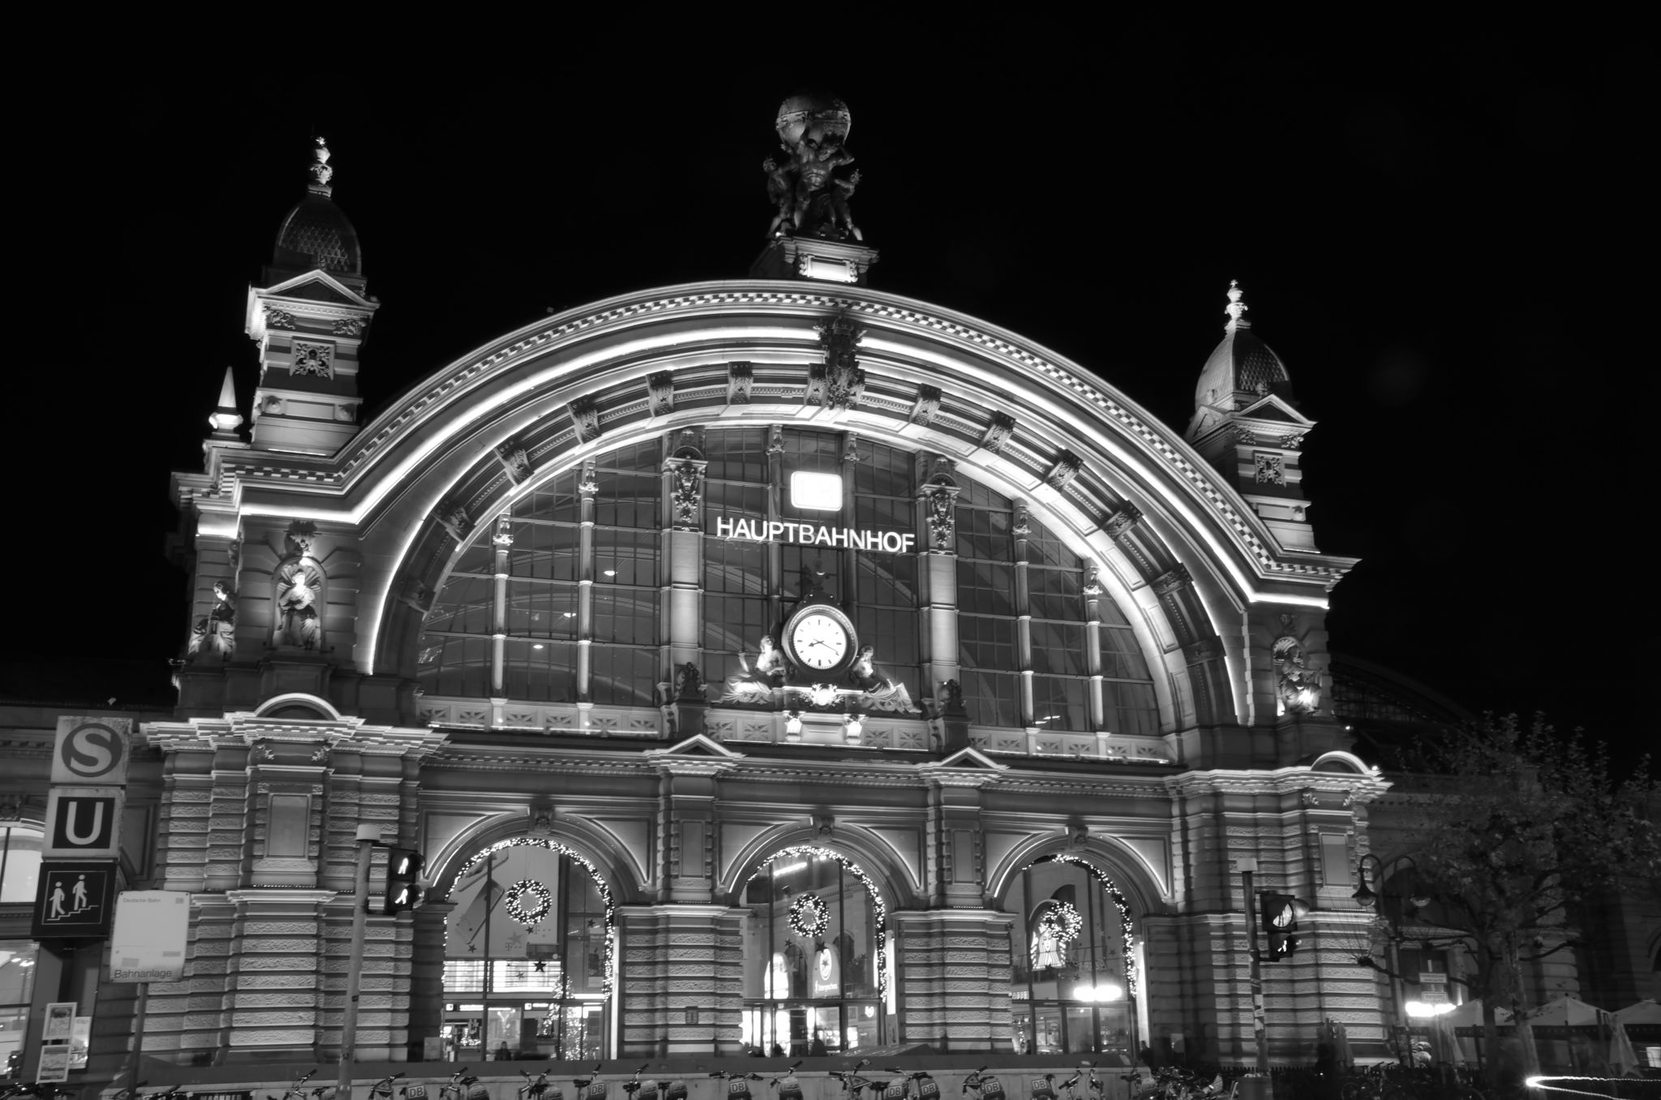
368 837
1248 867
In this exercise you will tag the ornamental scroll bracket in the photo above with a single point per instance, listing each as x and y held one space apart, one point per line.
939 499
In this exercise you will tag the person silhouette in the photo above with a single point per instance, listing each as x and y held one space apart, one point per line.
56 911
80 892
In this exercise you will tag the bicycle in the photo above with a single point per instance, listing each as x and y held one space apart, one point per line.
295 1091
786 1085
738 1084
456 1088
636 1089
537 1088
1093 1088
919 1085
985 1086
852 1083
590 1087
383 1089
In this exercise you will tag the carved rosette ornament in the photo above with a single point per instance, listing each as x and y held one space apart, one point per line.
1268 469
278 318
348 326
313 359
1297 686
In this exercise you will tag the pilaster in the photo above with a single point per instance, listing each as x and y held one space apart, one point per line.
953 972
682 981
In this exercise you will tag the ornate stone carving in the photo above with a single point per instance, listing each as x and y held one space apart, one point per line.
824 825
689 683
810 190
1310 797
311 358
1297 686
215 632
1092 580
1268 469
11 807
740 378
1242 434
1064 469
272 405
1077 837
1203 649
927 405
298 584
686 492
349 326
276 317
453 518
940 510
775 439
660 393
585 417
840 381
502 537
1292 440
1167 583
998 432
1021 525
1117 525
588 482
515 459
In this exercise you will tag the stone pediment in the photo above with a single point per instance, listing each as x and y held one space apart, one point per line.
965 767
1273 409
697 753
317 286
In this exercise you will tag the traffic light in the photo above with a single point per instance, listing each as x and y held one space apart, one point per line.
1280 923
404 885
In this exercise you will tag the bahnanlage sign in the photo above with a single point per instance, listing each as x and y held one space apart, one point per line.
151 929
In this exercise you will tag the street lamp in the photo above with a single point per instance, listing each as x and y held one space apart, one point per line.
1393 907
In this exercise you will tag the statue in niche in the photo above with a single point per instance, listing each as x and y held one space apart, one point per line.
215 632
755 684
687 494
810 195
1297 686
880 692
299 596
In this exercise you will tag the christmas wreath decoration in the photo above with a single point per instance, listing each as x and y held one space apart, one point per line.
808 916
514 901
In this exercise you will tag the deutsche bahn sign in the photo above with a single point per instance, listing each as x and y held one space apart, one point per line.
74 900
83 822
91 750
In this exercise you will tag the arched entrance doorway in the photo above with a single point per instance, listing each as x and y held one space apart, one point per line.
816 966
1073 986
530 955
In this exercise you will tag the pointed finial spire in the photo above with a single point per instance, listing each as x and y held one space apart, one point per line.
225 419
320 171
1236 308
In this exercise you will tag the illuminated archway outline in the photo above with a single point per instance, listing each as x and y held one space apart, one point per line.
855 869
1114 895
488 850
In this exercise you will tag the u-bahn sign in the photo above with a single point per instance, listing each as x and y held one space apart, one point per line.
91 751
83 822
74 900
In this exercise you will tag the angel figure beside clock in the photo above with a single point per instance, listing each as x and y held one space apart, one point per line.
820 657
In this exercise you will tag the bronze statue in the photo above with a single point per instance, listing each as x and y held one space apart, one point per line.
215 632
811 197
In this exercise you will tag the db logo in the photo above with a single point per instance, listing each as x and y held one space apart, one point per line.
91 750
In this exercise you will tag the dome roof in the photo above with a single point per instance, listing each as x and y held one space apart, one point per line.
1242 365
317 236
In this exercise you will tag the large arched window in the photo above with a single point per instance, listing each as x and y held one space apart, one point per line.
1073 983
815 954
529 955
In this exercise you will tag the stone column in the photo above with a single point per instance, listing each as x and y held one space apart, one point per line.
680 963
953 969
683 495
937 580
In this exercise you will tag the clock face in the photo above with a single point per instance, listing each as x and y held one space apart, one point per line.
819 641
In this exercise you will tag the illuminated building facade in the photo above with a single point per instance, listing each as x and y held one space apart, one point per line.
755 662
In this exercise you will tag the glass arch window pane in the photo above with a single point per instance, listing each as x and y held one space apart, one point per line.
545 671
624 676
454 665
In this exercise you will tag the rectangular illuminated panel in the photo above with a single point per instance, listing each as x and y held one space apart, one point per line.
812 491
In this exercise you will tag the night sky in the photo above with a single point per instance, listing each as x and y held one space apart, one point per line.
1438 229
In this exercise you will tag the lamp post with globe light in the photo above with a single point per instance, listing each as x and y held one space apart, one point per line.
1394 907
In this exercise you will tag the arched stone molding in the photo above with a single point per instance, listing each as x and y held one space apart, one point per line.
1102 854
1340 761
293 705
875 857
582 383
611 865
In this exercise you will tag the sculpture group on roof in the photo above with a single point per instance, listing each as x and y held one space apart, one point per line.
810 195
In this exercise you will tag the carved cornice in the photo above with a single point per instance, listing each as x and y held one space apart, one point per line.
1345 788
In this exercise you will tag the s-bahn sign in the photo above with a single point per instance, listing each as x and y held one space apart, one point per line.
815 534
83 822
91 751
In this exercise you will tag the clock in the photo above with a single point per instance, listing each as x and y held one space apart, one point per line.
819 638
